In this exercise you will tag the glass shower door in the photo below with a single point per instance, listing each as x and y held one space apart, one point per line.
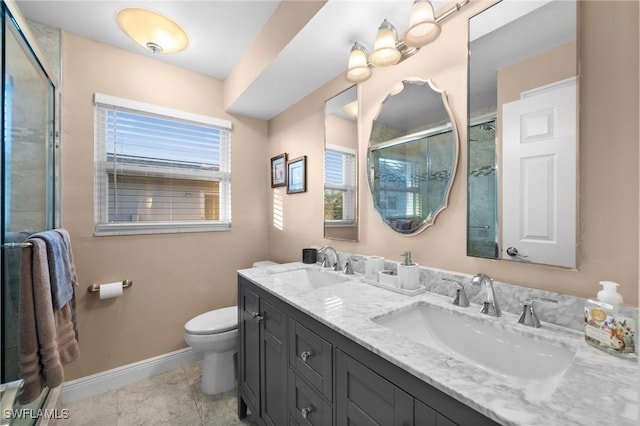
27 173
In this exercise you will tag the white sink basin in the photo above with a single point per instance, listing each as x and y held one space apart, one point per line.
309 279
475 340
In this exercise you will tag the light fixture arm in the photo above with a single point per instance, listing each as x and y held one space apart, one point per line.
455 8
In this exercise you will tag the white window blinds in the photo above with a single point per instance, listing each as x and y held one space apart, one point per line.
340 186
159 170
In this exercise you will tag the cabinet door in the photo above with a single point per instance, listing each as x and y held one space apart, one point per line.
249 356
273 366
427 416
364 398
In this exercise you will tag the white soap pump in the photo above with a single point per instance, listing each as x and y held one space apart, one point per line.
408 273
609 294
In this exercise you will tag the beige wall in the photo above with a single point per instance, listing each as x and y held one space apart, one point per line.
175 276
609 134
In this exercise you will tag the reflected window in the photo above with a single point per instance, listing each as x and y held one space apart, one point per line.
340 186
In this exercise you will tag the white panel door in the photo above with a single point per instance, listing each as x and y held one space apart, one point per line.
539 176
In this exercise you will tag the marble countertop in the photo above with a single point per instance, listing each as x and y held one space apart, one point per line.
596 389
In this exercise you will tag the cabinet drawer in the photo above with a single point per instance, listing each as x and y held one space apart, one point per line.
311 357
306 406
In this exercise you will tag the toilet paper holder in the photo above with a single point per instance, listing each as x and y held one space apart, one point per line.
95 288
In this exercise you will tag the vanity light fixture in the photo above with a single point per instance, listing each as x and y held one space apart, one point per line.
384 50
389 49
358 64
152 31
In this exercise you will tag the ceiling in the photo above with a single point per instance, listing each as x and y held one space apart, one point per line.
221 31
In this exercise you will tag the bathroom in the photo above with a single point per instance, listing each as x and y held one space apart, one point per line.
179 275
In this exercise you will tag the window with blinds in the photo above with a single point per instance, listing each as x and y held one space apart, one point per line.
339 186
159 170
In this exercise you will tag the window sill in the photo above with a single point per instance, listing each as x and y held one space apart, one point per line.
111 229
339 223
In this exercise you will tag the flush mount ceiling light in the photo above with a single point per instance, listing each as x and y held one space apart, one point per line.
152 31
389 49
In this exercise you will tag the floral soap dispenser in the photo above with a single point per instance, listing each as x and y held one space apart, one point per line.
605 327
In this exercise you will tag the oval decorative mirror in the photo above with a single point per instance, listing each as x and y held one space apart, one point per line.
412 156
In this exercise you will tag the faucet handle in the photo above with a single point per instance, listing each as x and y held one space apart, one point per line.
461 298
348 269
528 316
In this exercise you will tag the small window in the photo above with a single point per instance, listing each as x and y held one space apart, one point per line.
159 170
339 186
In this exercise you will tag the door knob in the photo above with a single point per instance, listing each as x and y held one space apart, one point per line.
512 251
257 317
305 355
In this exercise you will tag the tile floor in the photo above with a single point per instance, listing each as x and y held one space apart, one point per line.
172 398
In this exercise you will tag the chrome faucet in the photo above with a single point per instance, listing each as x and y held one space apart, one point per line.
325 261
528 316
490 305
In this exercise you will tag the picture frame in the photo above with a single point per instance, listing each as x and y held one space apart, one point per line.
297 175
279 170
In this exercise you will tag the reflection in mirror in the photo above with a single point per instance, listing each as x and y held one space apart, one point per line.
340 166
523 110
412 156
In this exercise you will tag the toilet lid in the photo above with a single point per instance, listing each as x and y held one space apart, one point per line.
212 322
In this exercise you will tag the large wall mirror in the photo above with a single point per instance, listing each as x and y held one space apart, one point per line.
412 156
522 136
340 166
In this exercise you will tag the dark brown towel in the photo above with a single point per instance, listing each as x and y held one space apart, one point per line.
47 339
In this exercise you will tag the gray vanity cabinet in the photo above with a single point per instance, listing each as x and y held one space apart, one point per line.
262 372
295 370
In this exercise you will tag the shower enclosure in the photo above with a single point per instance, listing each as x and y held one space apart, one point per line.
28 166
482 189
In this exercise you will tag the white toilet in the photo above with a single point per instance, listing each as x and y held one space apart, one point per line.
215 333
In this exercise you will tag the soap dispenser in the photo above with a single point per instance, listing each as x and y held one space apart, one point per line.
605 327
408 273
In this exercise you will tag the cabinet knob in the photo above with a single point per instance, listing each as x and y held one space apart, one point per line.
306 411
305 355
257 317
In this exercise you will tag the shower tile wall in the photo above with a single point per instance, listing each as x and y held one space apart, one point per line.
482 190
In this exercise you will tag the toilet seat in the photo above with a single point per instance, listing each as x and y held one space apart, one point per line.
213 322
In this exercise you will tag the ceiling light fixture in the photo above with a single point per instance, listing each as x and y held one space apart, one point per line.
389 49
152 31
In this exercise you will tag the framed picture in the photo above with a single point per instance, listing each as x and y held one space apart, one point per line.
279 170
297 175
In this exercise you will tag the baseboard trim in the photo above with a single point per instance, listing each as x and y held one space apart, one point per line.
98 383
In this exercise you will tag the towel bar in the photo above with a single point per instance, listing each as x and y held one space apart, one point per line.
95 288
17 245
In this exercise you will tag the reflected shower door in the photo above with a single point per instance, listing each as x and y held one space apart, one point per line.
27 173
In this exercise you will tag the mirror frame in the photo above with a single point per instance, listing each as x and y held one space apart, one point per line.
407 138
